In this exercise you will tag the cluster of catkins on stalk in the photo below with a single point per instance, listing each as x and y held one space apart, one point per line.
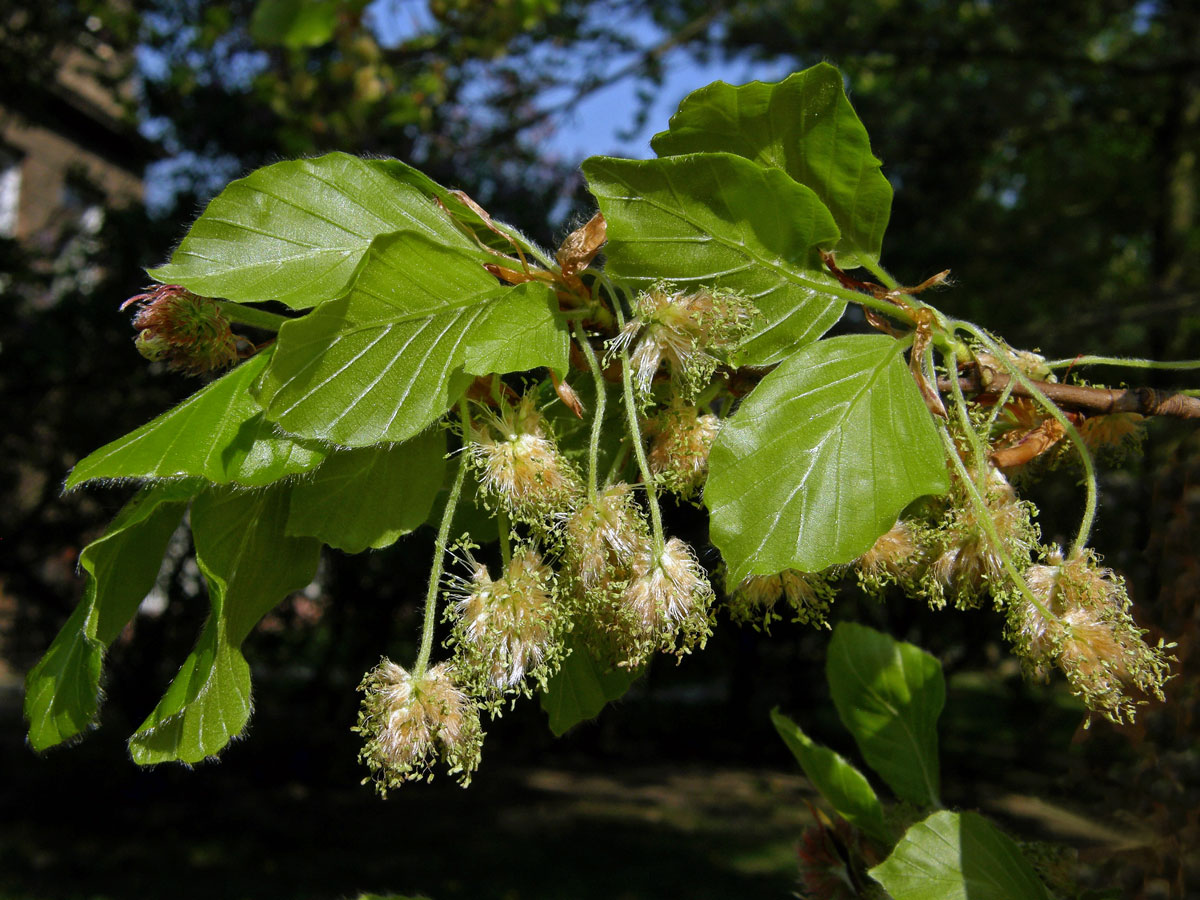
590 561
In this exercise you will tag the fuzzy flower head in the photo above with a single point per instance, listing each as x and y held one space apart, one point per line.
509 630
967 563
895 558
519 464
602 536
681 439
1081 623
667 604
685 330
410 721
183 330
756 598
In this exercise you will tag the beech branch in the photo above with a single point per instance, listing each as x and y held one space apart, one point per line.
1095 400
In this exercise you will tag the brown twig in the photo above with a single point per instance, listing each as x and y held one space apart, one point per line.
1096 400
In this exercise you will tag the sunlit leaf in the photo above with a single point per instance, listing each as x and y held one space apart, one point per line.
62 692
889 695
294 23
805 126
219 434
958 856
250 565
820 458
581 688
385 361
716 219
846 788
367 498
297 231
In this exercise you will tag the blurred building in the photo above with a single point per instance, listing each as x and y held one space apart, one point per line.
68 147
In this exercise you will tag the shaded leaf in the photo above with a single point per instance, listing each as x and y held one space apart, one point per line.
846 788
889 695
297 231
250 565
805 126
820 459
719 220
367 498
219 434
958 856
581 688
62 692
385 361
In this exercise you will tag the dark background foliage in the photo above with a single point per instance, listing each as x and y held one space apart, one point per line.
1045 152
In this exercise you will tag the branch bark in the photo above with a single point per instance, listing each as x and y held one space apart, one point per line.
1095 400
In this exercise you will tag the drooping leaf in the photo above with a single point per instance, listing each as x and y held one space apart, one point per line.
958 856
294 23
581 687
297 231
846 788
62 692
820 459
250 564
805 126
219 434
385 361
889 695
719 220
371 496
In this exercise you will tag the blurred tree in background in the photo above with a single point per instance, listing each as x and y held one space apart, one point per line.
1045 152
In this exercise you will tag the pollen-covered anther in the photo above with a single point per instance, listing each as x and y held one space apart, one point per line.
519 463
756 598
687 330
183 330
1081 624
507 629
681 440
667 603
412 721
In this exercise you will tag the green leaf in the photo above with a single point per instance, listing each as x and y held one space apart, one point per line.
250 565
294 23
958 856
581 687
62 692
889 695
385 361
219 434
371 496
805 126
820 459
846 788
297 231
719 220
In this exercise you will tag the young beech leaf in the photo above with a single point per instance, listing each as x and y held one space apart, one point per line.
297 231
385 361
846 788
219 434
250 564
889 695
581 688
62 692
369 497
719 220
820 459
805 126
958 856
